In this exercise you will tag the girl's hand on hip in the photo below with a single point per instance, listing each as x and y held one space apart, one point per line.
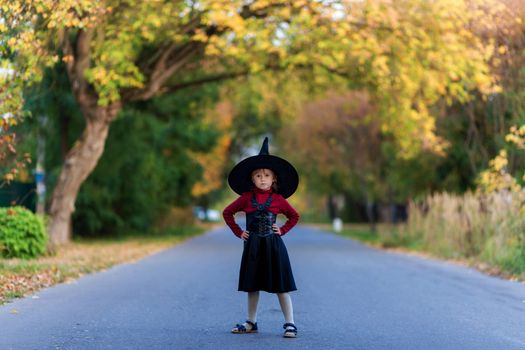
245 235
276 229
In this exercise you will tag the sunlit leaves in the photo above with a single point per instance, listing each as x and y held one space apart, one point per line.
407 54
517 136
499 176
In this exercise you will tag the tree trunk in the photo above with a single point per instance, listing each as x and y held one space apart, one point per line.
370 213
64 120
78 164
332 213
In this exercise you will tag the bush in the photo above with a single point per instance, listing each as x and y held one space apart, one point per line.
22 233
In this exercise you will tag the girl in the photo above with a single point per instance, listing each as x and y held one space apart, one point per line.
264 181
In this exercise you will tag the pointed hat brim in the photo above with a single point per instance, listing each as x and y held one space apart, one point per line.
240 180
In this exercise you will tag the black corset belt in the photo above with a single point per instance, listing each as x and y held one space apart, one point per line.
260 223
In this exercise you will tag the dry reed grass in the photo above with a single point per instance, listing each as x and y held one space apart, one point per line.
489 227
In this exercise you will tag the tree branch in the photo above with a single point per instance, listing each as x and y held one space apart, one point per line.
82 55
217 77
175 56
67 48
78 60
205 80
247 12
172 60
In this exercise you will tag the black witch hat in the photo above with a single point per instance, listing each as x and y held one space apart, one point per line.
287 178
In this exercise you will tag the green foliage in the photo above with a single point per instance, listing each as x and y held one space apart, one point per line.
55 116
407 54
22 233
146 167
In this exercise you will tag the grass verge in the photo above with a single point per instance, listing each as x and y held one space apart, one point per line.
387 237
19 277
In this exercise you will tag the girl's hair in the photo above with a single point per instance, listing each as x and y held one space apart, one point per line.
275 186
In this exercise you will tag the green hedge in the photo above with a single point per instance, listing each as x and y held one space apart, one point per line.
22 233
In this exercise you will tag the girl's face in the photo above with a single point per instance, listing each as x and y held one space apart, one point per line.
263 178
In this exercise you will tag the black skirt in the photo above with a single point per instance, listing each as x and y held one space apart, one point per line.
265 265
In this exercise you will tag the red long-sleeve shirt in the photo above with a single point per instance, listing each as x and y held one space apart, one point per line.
279 205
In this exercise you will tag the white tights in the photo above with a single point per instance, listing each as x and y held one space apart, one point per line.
284 300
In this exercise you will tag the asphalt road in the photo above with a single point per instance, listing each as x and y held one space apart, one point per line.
349 297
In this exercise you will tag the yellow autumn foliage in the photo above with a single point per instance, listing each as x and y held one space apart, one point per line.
213 162
407 54
497 177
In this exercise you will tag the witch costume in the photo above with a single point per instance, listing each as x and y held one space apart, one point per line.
265 264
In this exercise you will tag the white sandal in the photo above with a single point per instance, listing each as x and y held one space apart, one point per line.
290 331
241 328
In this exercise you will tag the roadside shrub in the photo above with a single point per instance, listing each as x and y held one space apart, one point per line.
22 233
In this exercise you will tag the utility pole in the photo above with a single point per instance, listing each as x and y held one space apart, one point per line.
40 168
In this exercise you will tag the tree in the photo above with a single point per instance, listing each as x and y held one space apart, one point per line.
148 165
11 163
117 52
338 146
476 129
406 53
213 162
153 140
10 115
